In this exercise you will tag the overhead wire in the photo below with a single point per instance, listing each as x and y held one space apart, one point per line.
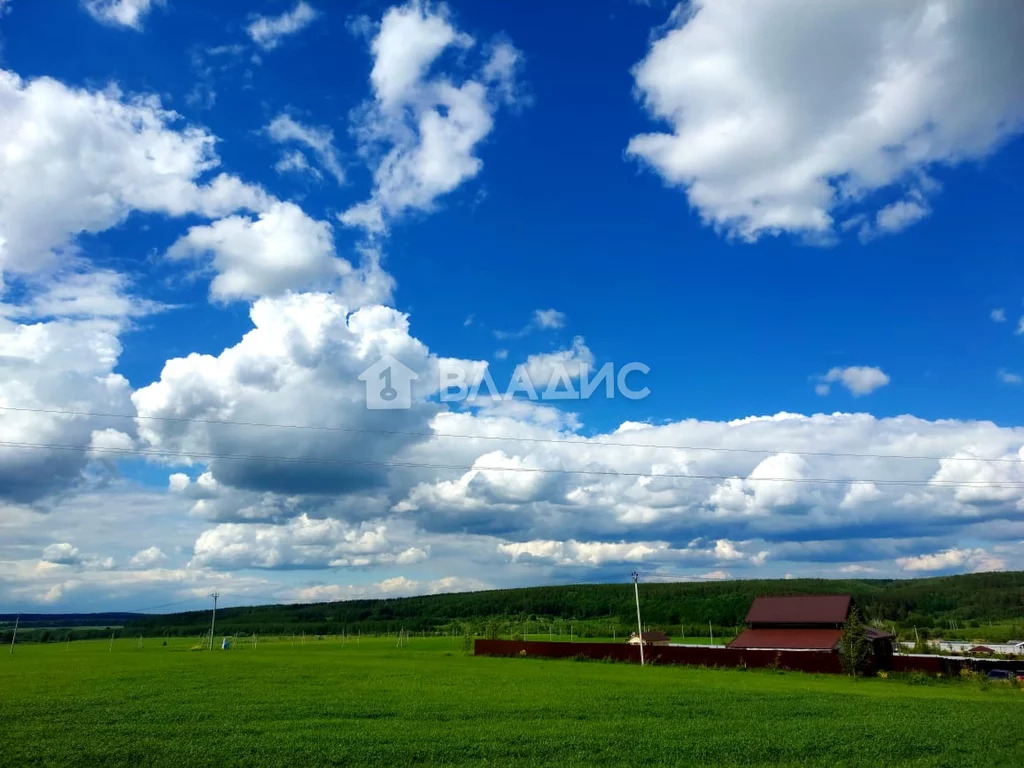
574 440
394 463
162 605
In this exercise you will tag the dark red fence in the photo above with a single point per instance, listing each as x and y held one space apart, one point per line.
804 661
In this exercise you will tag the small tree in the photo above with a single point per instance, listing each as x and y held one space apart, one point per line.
492 629
854 648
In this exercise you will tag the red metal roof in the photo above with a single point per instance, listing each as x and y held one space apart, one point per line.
788 639
799 609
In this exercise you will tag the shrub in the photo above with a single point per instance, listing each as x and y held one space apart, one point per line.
969 675
919 678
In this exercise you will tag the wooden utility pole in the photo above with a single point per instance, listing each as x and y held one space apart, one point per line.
14 637
213 621
639 625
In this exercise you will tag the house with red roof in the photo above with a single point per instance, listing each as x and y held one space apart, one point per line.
803 623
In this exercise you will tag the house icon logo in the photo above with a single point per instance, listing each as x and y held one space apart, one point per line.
388 384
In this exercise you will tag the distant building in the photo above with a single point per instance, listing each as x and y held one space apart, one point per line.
803 623
649 638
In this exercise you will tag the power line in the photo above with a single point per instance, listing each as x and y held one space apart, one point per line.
162 605
509 438
195 600
468 468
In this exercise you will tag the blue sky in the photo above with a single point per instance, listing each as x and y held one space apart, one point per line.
802 223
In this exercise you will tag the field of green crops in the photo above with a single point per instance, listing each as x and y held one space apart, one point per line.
323 702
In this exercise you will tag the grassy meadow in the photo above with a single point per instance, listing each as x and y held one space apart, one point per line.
322 702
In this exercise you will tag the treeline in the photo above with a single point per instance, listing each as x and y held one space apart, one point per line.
30 620
58 627
934 605
950 606
57 634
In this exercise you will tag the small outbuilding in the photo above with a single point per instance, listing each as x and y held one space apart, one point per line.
649 638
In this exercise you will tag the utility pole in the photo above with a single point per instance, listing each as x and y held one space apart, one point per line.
639 625
14 637
213 621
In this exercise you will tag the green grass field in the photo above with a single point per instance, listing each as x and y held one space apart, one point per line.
322 703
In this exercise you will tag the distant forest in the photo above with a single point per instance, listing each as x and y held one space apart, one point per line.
951 606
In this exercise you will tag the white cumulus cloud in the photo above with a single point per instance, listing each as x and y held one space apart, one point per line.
785 116
858 379
319 140
421 132
280 249
106 155
301 542
975 559
269 31
120 13
1008 377
147 558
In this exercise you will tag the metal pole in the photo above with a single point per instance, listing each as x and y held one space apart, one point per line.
14 637
639 626
213 621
